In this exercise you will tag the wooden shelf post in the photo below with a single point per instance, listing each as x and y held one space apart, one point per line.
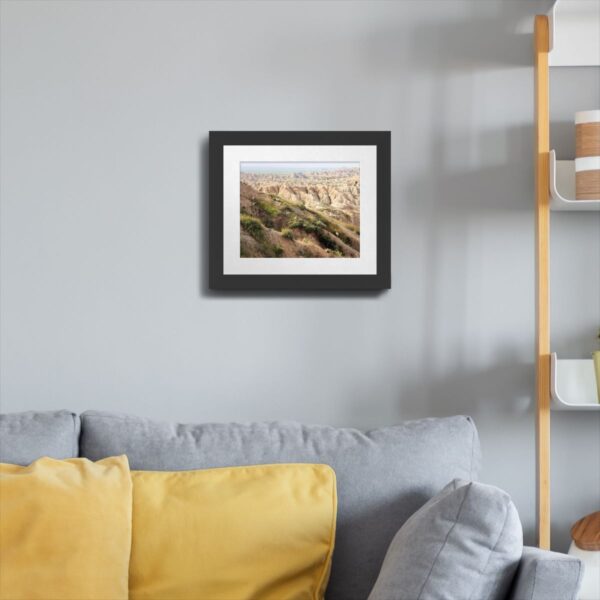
542 195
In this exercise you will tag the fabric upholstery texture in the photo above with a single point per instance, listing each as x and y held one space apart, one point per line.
383 476
65 530
545 575
243 533
464 544
27 436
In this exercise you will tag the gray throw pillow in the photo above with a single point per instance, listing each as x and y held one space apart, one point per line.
464 544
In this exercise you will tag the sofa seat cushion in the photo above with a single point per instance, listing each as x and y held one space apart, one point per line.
233 533
383 476
65 530
27 436
464 544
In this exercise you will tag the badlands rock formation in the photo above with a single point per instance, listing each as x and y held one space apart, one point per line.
300 215
335 192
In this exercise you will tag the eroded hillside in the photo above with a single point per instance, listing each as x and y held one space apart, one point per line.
281 220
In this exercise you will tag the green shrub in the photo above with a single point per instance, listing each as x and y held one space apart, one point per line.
253 226
347 240
288 234
271 210
325 240
271 250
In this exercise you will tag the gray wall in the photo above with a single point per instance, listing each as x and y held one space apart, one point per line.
105 113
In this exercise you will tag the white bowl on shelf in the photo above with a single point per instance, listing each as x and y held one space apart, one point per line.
573 384
562 187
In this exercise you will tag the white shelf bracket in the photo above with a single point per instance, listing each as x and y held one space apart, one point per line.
574 29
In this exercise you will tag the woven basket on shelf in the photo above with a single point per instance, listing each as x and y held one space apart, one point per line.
587 155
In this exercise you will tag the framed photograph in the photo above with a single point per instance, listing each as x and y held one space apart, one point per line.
299 210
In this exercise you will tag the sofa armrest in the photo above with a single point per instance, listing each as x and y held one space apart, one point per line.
544 575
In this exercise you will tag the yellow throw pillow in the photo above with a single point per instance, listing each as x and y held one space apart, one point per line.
240 533
65 529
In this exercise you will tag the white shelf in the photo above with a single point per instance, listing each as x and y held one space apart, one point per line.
562 187
574 33
573 384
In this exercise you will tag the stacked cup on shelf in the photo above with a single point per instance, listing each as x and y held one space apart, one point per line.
587 155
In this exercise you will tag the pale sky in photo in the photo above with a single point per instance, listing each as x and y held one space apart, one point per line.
294 167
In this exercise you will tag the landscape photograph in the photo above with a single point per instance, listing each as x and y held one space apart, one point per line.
299 209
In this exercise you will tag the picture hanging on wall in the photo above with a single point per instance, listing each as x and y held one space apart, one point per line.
299 210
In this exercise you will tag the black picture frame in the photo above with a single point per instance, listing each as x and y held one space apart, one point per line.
381 280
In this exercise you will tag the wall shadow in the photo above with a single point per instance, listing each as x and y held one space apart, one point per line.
492 36
471 391
451 198
448 204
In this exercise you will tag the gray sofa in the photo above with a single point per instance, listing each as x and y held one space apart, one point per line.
383 476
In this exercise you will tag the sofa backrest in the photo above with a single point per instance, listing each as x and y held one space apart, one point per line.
27 436
383 476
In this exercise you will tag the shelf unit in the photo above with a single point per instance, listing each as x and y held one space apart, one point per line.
568 36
